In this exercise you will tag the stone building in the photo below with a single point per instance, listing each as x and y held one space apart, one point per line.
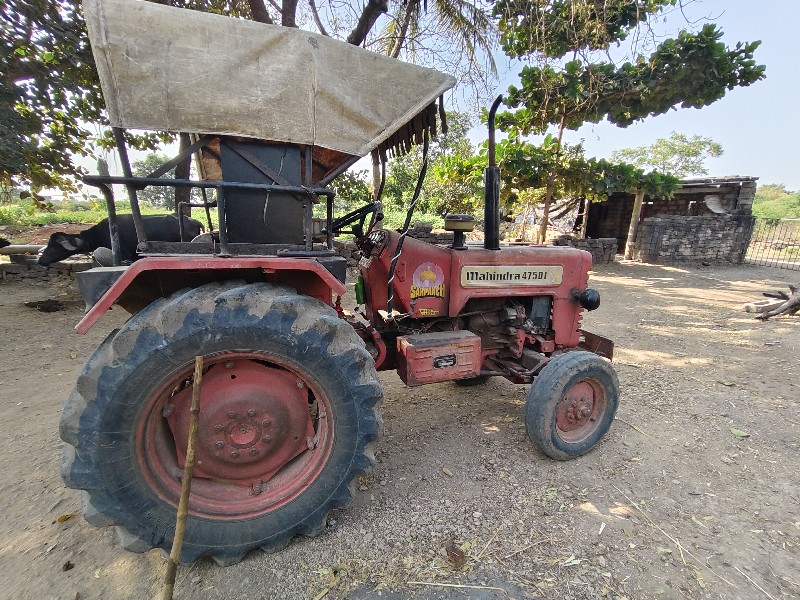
708 219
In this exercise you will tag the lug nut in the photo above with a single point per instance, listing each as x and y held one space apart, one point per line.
218 427
300 384
231 415
266 439
253 451
235 454
251 413
220 444
266 423
229 364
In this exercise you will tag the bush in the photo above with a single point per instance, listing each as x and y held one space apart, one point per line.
27 215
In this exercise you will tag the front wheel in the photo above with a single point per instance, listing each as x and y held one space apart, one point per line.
287 409
571 404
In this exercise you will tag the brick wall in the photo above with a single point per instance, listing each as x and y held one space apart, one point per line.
717 238
603 250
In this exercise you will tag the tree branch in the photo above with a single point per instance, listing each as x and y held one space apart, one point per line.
288 13
370 14
400 38
315 16
259 11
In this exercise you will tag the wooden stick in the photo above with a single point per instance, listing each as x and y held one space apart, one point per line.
675 541
186 486
632 426
491 539
758 587
457 585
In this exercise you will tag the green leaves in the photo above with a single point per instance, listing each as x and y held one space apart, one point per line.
525 167
569 80
678 154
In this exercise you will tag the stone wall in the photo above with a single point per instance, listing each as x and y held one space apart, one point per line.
731 195
718 238
26 266
603 250
348 250
426 233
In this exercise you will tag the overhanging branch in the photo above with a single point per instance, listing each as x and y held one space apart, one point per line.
370 14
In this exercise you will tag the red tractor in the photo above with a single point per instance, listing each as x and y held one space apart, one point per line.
290 396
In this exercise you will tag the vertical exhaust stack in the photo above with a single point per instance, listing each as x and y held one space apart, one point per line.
491 196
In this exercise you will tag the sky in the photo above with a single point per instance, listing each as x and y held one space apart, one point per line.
758 126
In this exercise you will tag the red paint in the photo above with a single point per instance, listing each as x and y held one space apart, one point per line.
306 275
254 421
417 254
441 356
225 487
417 257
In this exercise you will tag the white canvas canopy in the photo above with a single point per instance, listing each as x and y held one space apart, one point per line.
171 69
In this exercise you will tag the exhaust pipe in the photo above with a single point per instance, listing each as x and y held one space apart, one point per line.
491 195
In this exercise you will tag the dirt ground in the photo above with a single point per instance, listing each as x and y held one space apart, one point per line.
673 504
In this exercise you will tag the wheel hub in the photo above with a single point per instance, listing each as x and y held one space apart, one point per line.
254 419
577 412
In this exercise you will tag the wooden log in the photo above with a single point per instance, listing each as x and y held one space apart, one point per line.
761 306
789 306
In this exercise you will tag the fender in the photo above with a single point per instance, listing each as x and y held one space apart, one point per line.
138 285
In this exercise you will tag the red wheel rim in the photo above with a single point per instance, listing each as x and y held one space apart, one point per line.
580 411
159 452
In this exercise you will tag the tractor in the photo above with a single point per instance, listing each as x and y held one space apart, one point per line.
290 398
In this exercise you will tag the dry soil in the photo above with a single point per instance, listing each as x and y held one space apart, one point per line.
695 492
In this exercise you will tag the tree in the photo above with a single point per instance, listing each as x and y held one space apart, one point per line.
352 190
159 196
774 201
677 154
48 91
571 79
51 106
447 188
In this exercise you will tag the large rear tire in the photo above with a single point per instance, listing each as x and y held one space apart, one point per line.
288 409
571 404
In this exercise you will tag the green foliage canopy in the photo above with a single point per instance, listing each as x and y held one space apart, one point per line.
525 166
691 71
448 187
678 154
159 196
352 190
774 201
48 86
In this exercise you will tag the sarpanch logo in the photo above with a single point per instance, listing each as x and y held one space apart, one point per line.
427 281
427 292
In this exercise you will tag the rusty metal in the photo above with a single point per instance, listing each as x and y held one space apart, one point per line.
441 356
598 344
322 281
579 412
230 396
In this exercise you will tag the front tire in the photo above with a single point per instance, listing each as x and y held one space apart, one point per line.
571 404
288 408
